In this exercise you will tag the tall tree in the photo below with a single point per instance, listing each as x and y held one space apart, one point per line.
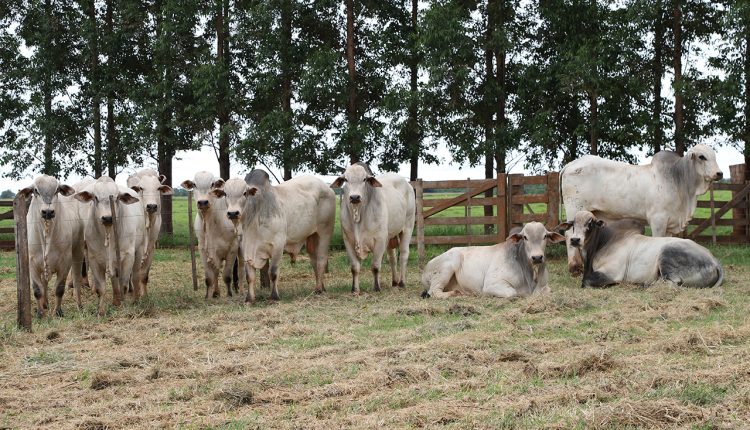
677 84
94 85
13 85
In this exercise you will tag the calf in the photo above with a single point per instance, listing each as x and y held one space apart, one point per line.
614 255
376 214
301 211
512 268
217 240
55 240
149 186
100 243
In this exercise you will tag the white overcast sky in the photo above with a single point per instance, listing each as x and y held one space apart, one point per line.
186 163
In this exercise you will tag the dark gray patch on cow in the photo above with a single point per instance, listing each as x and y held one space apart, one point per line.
596 279
521 259
264 204
680 264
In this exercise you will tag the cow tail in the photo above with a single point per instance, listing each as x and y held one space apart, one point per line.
721 276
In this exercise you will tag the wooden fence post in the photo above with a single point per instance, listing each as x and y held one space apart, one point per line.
737 176
420 222
516 210
713 218
22 263
553 200
502 207
191 244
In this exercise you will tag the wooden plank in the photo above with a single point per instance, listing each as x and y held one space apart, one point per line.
724 209
707 204
553 200
6 215
459 239
7 244
728 187
479 201
486 185
460 220
420 223
728 239
528 180
6 203
5 230
528 199
724 221
23 287
454 184
191 245
502 207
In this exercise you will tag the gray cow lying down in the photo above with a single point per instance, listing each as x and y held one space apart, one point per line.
508 269
612 255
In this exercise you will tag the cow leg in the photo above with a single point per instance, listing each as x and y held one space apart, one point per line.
321 257
59 292
99 284
250 275
39 296
318 259
211 281
597 279
499 288
228 273
392 262
76 271
274 274
436 283
377 260
235 275
265 280
403 255
145 268
355 264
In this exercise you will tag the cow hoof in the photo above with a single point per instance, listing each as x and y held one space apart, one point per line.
216 295
377 288
394 284
59 312
274 297
319 292
425 294
355 293
401 284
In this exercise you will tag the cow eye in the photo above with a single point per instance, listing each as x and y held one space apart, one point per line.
702 157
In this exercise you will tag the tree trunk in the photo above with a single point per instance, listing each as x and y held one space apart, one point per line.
489 76
112 147
501 120
286 85
658 74
48 167
594 122
222 109
746 65
679 116
164 143
415 138
95 88
351 110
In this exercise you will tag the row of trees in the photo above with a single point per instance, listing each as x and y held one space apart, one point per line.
95 85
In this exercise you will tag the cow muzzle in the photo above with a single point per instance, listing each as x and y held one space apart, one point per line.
48 214
107 220
355 199
719 175
233 215
203 204
537 259
575 242
151 208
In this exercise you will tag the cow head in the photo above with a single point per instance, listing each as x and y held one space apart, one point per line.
202 185
150 190
583 226
98 193
357 183
236 191
45 190
534 238
704 160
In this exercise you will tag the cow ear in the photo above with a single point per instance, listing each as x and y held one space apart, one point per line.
127 198
188 184
373 182
515 237
599 223
26 191
564 226
65 190
162 178
555 237
165 190
83 196
219 183
251 191
136 188
218 192
338 182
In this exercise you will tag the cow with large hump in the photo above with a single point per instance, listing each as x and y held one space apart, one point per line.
218 241
662 194
512 268
274 219
377 214
96 212
150 187
55 240
613 255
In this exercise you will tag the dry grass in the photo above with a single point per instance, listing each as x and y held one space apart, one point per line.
625 357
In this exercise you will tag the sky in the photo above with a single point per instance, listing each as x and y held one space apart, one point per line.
186 163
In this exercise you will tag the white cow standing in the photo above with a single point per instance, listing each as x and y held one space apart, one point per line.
150 187
376 214
663 194
217 240
95 210
55 240
512 268
274 219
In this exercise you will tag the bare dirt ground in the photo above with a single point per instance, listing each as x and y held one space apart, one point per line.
626 357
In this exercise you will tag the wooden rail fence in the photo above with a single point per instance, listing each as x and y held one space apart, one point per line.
4 215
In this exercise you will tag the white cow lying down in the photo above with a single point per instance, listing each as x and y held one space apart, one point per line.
511 268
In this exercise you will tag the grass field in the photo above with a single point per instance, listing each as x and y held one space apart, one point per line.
624 357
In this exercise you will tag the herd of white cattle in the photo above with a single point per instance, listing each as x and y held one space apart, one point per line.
71 230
